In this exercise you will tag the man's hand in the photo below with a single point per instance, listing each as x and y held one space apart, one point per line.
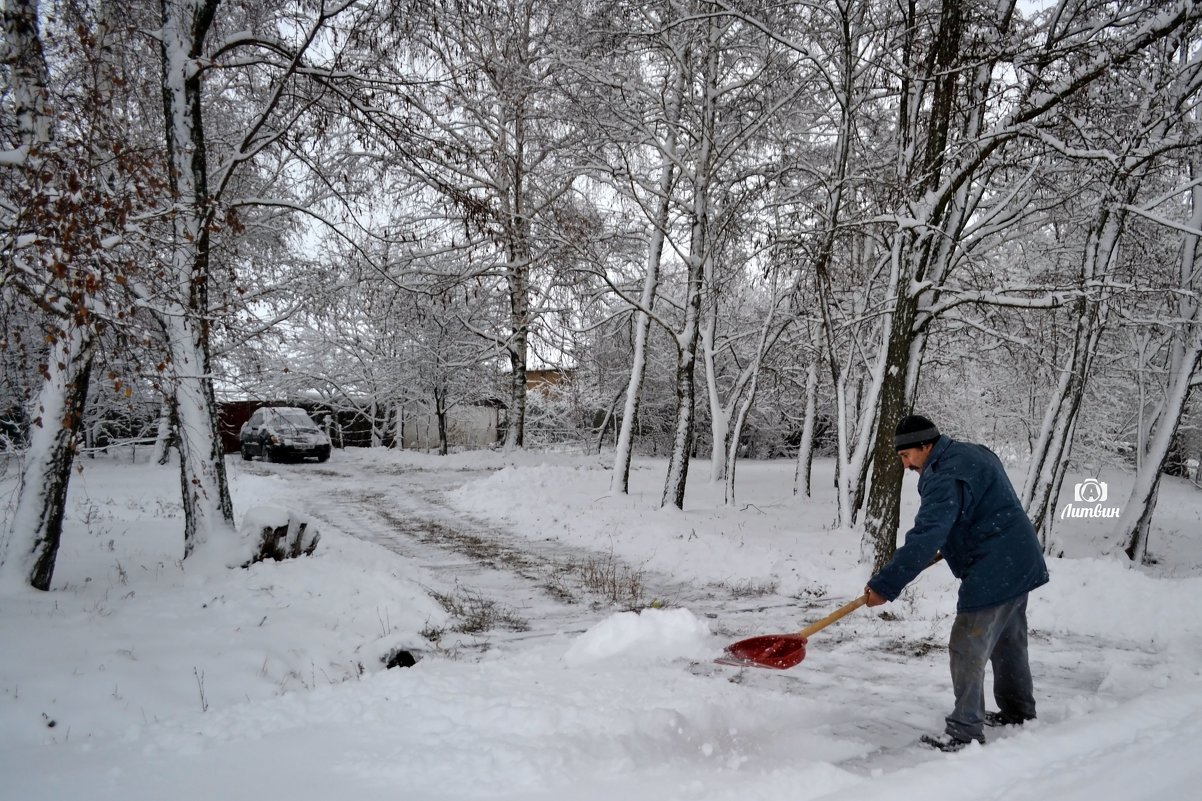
874 597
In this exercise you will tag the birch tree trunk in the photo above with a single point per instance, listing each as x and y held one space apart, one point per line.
686 362
610 420
850 94
742 397
1045 472
164 436
37 520
440 411
746 399
859 461
720 413
373 417
518 279
21 51
515 218
882 518
30 544
1131 531
620 482
205 491
805 448
687 338
398 429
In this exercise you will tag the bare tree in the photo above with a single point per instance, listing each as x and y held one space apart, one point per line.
1155 438
1137 130
946 142
199 202
493 145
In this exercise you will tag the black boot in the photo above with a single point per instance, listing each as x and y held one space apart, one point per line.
945 742
1003 719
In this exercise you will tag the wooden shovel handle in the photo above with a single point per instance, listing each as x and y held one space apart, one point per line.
842 611
847 609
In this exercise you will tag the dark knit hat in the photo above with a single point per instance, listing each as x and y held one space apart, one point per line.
914 431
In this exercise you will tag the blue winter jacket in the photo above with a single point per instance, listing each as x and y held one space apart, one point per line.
972 515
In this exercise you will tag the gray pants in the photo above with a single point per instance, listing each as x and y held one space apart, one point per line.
998 635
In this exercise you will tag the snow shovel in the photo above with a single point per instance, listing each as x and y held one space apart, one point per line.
782 651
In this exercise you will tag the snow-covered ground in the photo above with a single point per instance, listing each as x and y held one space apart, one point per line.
509 578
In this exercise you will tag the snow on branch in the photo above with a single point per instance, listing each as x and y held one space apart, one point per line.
1000 297
1039 98
1162 220
1084 154
1170 194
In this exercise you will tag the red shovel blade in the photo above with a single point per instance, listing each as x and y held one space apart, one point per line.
776 651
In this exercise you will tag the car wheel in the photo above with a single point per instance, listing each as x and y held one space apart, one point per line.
323 456
246 456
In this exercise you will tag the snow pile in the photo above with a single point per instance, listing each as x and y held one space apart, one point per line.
650 635
1106 598
131 634
263 516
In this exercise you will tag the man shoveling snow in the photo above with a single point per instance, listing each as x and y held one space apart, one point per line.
972 516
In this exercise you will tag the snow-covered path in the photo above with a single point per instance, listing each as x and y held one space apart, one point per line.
550 587
266 683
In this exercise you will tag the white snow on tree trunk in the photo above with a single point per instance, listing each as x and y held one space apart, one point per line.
31 542
642 322
205 493
805 448
1131 531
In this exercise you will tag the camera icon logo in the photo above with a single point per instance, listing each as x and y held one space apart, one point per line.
1090 491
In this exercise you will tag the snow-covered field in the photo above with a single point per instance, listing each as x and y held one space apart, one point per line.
141 677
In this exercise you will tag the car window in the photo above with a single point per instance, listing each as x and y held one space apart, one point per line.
295 417
256 419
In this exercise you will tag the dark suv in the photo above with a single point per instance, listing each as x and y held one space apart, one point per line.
277 433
